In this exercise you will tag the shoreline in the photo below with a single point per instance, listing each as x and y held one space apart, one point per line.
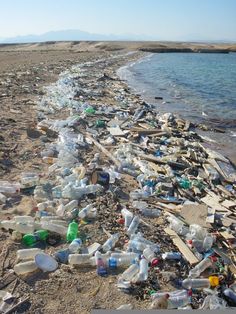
220 138
96 85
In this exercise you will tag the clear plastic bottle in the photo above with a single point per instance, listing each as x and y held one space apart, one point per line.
9 188
47 206
79 259
71 205
27 253
149 253
111 242
171 294
143 270
125 258
24 219
128 216
200 267
85 212
175 302
208 242
151 212
29 179
199 283
75 245
8 224
177 225
24 228
25 267
130 272
3 198
47 225
133 226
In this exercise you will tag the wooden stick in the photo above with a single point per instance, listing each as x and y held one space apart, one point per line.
14 307
104 150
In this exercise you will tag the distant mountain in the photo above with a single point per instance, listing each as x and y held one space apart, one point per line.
73 35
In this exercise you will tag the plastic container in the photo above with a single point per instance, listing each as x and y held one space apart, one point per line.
128 216
24 219
24 268
27 254
75 245
130 272
3 198
54 228
143 271
133 226
111 242
72 231
24 228
196 283
8 224
79 259
175 302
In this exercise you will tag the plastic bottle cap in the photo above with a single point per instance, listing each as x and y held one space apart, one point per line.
154 262
214 281
213 259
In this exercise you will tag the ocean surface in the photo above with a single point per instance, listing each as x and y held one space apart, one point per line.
200 87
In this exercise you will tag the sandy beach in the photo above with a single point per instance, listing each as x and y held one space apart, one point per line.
25 71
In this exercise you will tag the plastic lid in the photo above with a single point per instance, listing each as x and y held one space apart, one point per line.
214 281
45 262
155 262
213 259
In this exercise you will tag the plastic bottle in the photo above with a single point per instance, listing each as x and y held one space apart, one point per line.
72 231
130 272
71 205
8 224
86 212
172 255
32 239
128 216
175 302
27 253
9 188
196 283
47 206
143 271
62 256
3 198
171 294
151 212
133 226
111 242
79 259
47 225
177 225
75 245
29 179
24 268
24 219
208 242
203 265
230 294
125 258
149 254
24 228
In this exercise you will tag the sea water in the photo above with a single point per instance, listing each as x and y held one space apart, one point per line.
200 87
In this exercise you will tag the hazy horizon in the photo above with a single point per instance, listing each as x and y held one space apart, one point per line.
169 20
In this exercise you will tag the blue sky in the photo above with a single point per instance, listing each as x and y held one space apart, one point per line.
161 19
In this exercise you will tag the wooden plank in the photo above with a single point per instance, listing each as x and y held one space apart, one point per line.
228 204
116 131
213 202
195 214
187 253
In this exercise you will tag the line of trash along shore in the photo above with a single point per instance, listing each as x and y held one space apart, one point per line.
160 203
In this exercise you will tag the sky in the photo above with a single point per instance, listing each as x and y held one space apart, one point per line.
160 19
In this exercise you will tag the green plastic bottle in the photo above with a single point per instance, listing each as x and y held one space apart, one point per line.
90 110
72 231
32 239
100 124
